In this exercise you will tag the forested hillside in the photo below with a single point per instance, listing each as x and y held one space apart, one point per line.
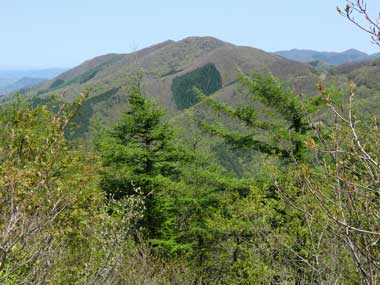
170 70
194 162
145 206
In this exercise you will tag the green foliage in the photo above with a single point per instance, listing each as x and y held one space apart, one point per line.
193 208
206 78
87 76
282 132
82 120
280 200
52 189
139 157
281 137
55 227
57 83
215 218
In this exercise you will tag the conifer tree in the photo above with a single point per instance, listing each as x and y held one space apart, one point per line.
140 157
284 129
274 122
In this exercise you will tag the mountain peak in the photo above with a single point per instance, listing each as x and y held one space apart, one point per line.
355 51
200 38
203 42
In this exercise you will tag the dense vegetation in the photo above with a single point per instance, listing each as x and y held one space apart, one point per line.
278 188
207 78
142 208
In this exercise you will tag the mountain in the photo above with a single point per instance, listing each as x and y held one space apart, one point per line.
12 80
33 73
170 70
304 55
23 83
375 55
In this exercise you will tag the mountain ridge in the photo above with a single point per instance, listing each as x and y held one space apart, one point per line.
172 68
13 79
23 83
334 58
108 75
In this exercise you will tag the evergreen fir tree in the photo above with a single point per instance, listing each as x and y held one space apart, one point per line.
140 157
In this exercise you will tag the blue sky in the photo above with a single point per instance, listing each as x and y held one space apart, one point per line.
63 33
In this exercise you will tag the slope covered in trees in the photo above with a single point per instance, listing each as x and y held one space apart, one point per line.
146 207
170 68
265 183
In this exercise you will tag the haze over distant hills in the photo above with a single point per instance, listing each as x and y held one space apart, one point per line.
25 82
15 79
304 55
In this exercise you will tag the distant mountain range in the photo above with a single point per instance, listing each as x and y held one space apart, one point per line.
23 83
13 80
304 55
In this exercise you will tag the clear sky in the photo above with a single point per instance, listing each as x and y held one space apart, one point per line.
63 33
